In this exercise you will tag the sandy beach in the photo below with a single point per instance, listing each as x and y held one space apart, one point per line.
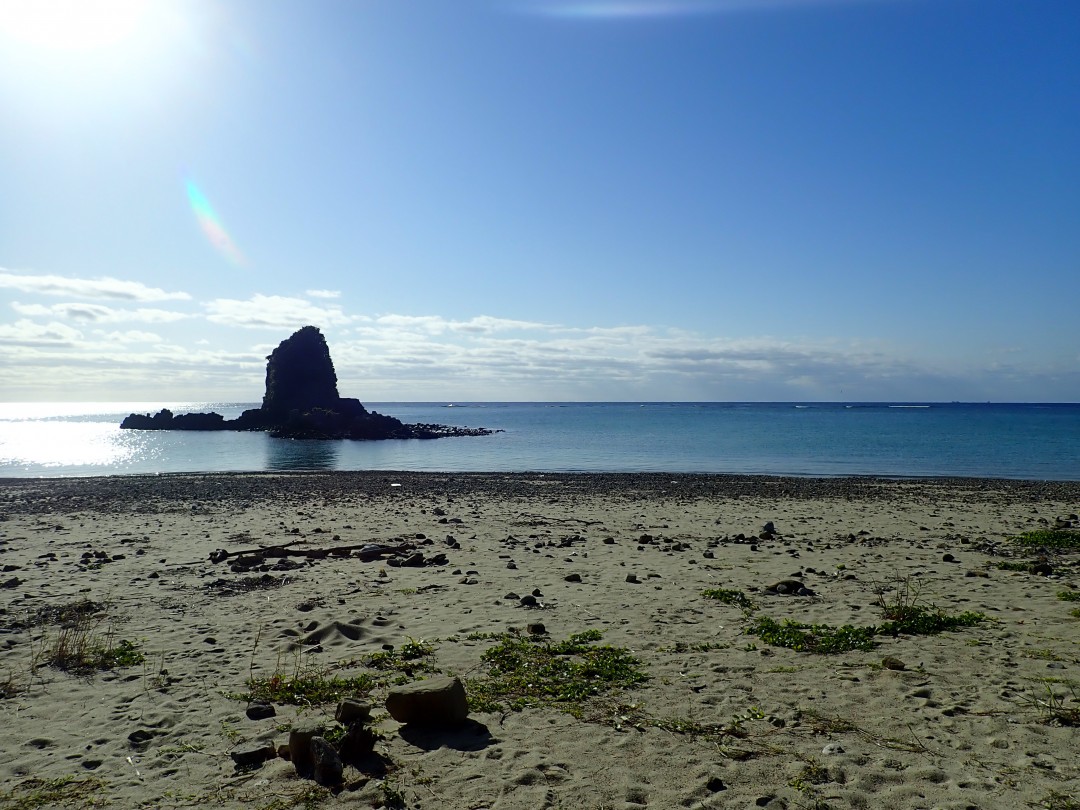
447 567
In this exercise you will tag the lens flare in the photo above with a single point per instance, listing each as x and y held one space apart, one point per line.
211 225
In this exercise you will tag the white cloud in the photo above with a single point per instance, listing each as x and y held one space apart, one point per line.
274 312
110 288
99 313
328 294
28 333
131 336
437 325
395 357
522 359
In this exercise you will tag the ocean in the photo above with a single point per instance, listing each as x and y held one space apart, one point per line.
1023 441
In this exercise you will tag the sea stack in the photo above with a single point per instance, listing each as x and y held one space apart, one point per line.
301 401
300 376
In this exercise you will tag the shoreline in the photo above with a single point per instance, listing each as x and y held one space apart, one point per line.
724 719
224 485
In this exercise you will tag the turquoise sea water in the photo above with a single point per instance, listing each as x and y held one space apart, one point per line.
1030 441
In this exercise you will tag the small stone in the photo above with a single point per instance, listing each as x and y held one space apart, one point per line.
715 785
511 565
832 748
300 748
632 578
789 587
434 702
948 558
350 711
358 741
536 628
528 600
327 764
253 757
572 578
893 663
260 710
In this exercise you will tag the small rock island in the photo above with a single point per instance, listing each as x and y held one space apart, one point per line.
302 402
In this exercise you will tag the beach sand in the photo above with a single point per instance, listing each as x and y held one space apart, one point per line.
724 719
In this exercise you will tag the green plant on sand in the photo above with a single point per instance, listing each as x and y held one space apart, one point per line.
1053 708
66 791
730 597
1057 539
532 671
901 611
78 648
306 686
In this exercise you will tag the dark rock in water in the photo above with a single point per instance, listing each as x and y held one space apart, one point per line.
300 377
302 402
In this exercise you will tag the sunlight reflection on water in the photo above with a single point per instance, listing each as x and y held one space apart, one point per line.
58 444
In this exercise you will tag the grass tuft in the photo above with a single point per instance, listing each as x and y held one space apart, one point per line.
815 638
901 612
80 649
530 671
1055 709
66 791
1015 565
1058 801
306 687
1058 539
730 597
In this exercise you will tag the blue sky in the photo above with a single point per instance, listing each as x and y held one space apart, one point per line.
542 200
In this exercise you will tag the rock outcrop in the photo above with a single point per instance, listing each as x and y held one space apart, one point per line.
302 402
300 377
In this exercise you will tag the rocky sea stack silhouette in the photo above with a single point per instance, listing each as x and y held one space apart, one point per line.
302 402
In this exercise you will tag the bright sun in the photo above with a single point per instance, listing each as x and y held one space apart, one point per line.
71 25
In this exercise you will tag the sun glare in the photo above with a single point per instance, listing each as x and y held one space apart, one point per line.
71 25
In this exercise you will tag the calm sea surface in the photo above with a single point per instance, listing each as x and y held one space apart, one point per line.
1032 441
